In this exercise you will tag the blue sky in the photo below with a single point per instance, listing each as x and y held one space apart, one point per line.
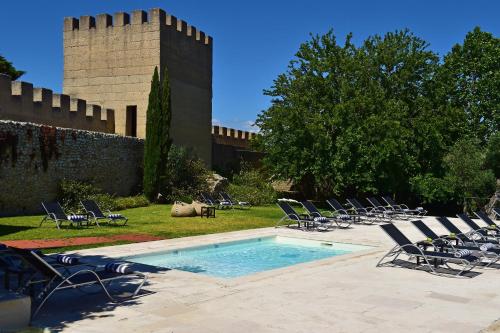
253 40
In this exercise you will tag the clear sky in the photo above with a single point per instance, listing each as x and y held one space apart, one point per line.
253 40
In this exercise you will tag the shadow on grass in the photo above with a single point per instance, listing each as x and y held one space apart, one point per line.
70 306
12 229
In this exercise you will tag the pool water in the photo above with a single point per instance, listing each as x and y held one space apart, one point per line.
239 258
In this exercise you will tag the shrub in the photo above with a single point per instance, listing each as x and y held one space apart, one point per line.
187 176
71 192
252 186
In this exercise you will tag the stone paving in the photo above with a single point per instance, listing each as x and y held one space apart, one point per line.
339 294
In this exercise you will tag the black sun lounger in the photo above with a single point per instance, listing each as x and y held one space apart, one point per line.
341 220
369 212
429 258
53 280
419 211
96 214
490 231
472 237
364 218
303 220
56 213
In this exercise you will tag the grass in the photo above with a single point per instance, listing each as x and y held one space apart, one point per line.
153 220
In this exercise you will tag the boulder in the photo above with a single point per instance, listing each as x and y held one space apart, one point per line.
217 183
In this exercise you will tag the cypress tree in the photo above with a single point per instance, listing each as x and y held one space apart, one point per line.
157 145
166 117
152 152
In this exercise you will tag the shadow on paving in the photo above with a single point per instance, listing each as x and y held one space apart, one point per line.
441 270
12 229
69 306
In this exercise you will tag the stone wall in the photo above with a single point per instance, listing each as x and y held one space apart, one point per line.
19 101
230 147
110 60
35 158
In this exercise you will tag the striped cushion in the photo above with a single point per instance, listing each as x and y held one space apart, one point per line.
320 219
66 260
462 253
115 216
486 247
344 217
118 267
225 203
77 218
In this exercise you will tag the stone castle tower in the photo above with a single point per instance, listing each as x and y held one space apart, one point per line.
110 61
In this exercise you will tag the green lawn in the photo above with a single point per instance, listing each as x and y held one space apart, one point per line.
154 220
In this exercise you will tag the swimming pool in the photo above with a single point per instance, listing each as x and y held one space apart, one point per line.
239 258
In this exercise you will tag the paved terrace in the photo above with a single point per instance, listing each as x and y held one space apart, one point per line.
340 294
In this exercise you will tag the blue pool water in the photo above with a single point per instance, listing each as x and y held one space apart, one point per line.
233 259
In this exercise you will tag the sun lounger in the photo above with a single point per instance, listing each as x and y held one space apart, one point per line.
491 252
431 259
386 210
486 219
472 237
304 221
56 214
341 220
419 211
53 280
233 203
490 231
356 217
368 212
209 200
496 212
96 214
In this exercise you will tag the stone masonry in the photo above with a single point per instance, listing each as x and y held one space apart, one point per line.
35 158
19 101
110 61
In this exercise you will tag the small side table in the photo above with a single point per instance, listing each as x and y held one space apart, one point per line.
207 211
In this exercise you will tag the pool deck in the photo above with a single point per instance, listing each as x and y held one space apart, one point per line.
339 294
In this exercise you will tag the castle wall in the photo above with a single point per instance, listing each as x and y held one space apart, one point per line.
19 101
35 158
110 61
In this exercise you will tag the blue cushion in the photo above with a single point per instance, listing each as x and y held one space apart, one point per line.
77 218
118 267
66 260
462 253
115 216
320 219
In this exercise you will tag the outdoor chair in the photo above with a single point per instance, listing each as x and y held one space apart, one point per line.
491 252
339 209
341 220
303 220
227 198
52 280
209 200
419 211
431 259
490 231
368 211
385 210
56 214
486 219
473 237
95 213
496 212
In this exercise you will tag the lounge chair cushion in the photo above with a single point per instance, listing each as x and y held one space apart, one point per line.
77 218
344 217
486 247
115 216
118 267
66 260
462 253
227 203
243 203
320 219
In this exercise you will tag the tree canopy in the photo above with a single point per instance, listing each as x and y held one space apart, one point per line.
6 67
373 118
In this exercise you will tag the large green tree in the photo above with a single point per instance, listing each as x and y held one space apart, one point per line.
6 67
158 141
347 119
470 77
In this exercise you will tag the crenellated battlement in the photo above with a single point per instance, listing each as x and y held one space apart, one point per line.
155 18
233 137
20 101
